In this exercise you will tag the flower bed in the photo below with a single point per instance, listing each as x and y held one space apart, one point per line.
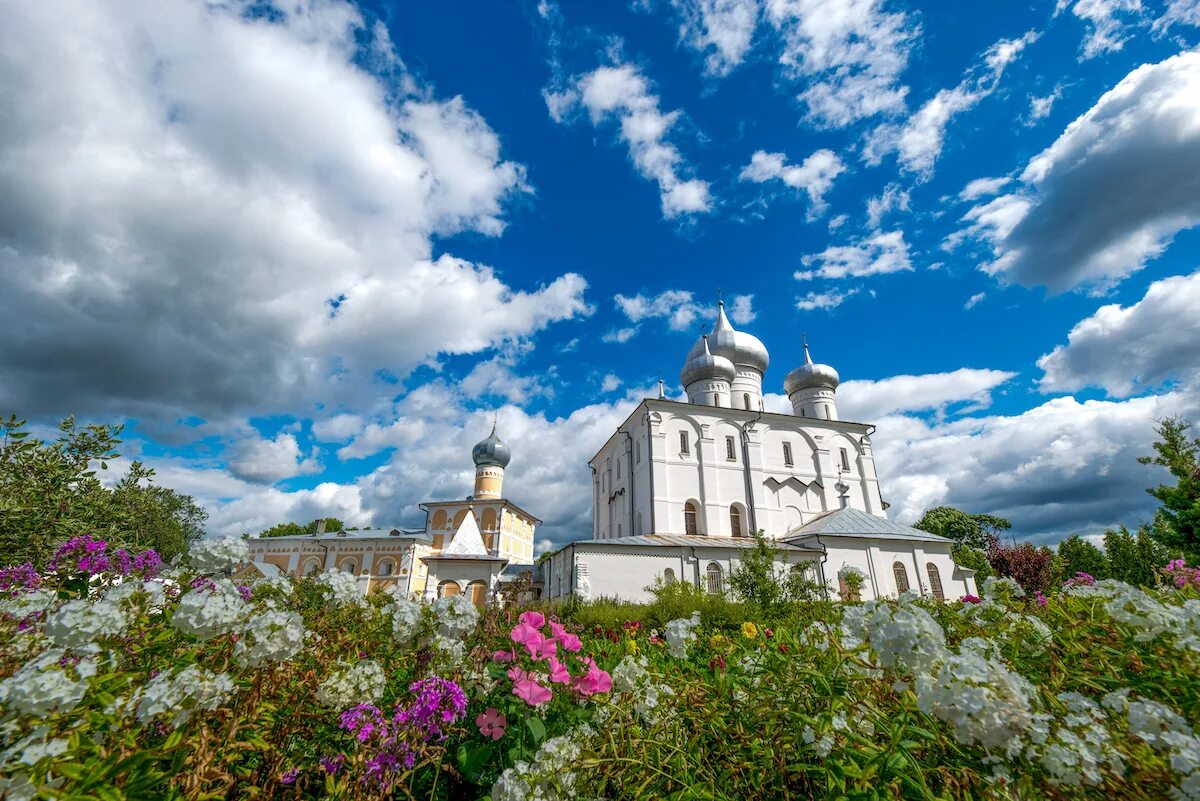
122 678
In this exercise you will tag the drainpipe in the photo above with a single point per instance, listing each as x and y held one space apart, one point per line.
632 483
595 505
821 567
750 510
695 569
650 467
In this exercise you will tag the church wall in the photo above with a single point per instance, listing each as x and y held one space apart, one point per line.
876 558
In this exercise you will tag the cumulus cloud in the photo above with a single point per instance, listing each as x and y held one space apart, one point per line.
211 212
825 301
1106 21
1066 226
918 141
1040 106
966 389
610 383
983 187
849 54
254 458
622 93
878 254
894 198
1129 349
722 30
678 307
814 177
496 378
338 428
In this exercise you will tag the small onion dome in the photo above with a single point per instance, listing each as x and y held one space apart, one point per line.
739 347
809 375
491 452
706 365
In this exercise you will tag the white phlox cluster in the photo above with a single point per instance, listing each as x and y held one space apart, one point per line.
271 636
218 554
281 583
630 676
679 633
181 693
343 588
455 615
407 618
22 605
550 776
1073 748
48 683
1148 617
353 684
208 612
1161 728
904 636
131 592
78 624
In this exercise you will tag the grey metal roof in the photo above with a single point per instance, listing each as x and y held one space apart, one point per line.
513 570
686 541
463 557
361 534
856 523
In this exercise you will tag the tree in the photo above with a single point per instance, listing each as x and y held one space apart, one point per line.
1177 521
296 530
1135 560
1028 566
973 559
51 491
1077 555
974 531
760 580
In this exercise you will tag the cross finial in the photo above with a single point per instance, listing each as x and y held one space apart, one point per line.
495 419
720 297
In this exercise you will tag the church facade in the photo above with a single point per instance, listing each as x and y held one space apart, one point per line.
679 489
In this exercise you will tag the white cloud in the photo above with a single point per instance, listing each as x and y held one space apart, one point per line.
893 198
338 428
741 309
849 54
1040 107
918 141
1129 349
974 300
721 29
678 307
619 335
814 177
611 383
967 389
1105 21
983 187
495 377
878 254
256 459
622 93
212 212
1069 224
825 301
1179 12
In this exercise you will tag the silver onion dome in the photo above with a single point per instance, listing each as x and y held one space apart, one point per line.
809 375
706 365
491 451
739 347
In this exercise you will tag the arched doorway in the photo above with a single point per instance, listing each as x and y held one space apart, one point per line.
478 592
449 588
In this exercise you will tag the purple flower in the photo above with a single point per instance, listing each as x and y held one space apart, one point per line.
288 777
1042 599
148 563
363 721
245 592
333 765
1080 579
122 562
19 579
439 701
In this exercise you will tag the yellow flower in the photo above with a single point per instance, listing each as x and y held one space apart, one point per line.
716 641
631 647
749 630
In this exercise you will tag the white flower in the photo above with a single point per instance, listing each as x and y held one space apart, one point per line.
181 693
43 685
355 684
407 617
679 633
343 587
905 636
456 616
281 583
151 592
550 776
271 636
1073 754
215 554
27 603
1001 589
982 700
77 624
207 613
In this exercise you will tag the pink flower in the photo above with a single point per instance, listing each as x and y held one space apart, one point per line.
546 649
491 723
504 656
558 672
970 599
566 639
594 681
1042 599
534 619
531 638
528 690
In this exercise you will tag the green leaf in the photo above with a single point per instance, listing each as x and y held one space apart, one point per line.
536 728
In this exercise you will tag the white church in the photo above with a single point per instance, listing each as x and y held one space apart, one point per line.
679 489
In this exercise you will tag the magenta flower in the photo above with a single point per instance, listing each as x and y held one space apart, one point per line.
558 672
504 656
532 693
491 723
1042 599
594 681
545 649
527 635
971 599
289 777
333 765
533 619
1080 579
18 579
566 639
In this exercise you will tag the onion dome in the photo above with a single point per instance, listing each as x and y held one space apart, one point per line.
491 451
706 365
809 375
739 347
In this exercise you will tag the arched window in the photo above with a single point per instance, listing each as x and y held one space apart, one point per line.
448 588
901 577
935 581
458 518
439 519
735 521
716 580
746 399
488 523
349 566
386 567
312 568
689 519
668 576
477 591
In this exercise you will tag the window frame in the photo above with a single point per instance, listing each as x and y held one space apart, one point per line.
935 581
685 445
900 573
788 461
691 513
711 572
730 450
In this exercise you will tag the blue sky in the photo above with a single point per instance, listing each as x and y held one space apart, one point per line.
307 250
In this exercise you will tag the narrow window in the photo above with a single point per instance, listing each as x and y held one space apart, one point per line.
901 577
845 461
935 581
746 399
716 582
385 569
348 566
716 400
684 447
638 452
618 470
787 454
668 576
689 518
735 521
729 449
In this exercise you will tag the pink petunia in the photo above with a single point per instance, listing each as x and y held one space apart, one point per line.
545 649
534 619
594 681
492 723
524 633
532 693
504 656
558 672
